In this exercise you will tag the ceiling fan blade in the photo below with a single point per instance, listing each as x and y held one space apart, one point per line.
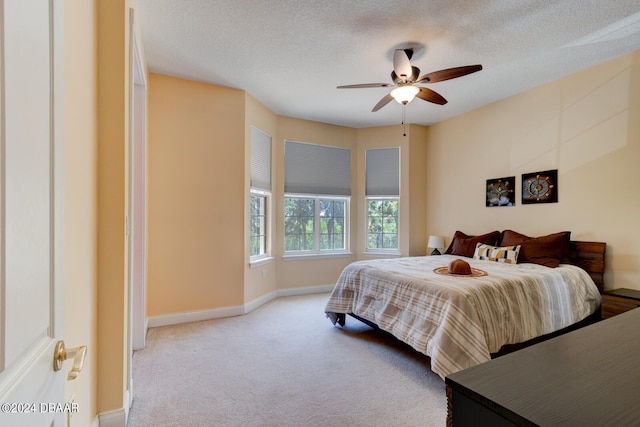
431 96
363 85
449 73
401 64
384 101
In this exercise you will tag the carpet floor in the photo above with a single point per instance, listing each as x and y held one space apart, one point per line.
283 364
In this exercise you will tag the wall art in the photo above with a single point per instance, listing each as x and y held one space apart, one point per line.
501 191
540 187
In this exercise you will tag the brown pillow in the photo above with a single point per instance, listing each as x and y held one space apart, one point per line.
548 250
465 245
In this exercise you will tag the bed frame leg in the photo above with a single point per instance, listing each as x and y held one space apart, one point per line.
336 317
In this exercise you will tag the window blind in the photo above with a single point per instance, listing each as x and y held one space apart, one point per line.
260 159
383 171
316 169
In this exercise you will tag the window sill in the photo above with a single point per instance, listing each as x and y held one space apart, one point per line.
295 257
260 261
381 254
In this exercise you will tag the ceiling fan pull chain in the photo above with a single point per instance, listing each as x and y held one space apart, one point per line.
404 126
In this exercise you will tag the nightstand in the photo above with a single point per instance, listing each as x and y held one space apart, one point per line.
617 301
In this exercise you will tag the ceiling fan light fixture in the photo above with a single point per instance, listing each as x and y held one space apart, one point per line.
405 77
404 94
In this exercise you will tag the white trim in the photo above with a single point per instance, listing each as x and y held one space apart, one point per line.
260 261
137 192
307 290
316 255
128 401
194 316
267 226
376 251
382 254
260 301
114 418
316 225
217 313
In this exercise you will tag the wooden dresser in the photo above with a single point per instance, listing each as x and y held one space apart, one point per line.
588 377
618 301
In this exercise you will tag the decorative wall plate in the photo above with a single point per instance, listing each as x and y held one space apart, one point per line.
501 191
540 187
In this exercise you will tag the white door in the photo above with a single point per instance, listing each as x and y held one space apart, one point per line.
31 297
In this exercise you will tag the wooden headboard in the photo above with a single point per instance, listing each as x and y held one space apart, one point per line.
590 257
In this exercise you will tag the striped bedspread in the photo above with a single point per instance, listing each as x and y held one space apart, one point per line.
459 321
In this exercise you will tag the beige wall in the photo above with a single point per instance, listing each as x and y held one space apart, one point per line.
199 181
199 156
301 273
586 126
112 31
80 202
412 238
113 52
96 137
196 227
580 125
417 170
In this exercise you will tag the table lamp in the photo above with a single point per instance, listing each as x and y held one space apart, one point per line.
435 242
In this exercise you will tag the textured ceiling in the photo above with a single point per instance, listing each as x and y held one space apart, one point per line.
290 54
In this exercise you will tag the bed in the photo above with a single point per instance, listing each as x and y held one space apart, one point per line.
552 285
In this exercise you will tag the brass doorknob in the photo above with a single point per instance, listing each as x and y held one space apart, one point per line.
61 353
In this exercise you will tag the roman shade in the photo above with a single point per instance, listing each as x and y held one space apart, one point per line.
260 159
316 169
383 171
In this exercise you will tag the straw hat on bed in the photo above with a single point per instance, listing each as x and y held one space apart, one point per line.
460 267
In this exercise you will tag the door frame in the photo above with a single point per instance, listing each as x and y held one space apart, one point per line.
137 171
136 219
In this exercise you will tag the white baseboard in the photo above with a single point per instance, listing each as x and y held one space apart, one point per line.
128 401
319 289
252 305
194 316
115 418
216 313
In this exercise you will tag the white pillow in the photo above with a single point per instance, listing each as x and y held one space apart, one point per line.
506 254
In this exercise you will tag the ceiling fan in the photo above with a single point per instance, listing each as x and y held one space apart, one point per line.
405 80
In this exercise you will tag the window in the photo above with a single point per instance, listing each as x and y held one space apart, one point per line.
317 195
259 239
382 224
299 224
258 233
383 199
315 224
332 224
